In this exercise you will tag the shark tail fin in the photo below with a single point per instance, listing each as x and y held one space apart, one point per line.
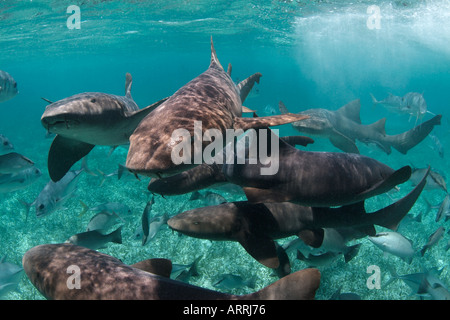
128 83
405 141
300 285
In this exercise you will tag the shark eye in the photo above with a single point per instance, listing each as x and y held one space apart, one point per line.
196 223
5 143
93 100
41 206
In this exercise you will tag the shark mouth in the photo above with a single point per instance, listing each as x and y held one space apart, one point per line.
51 123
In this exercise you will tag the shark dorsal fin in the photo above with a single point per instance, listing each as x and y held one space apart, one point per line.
128 83
351 110
282 108
214 60
379 126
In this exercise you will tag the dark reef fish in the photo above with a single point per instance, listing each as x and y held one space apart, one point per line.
88 119
343 127
211 99
105 277
255 226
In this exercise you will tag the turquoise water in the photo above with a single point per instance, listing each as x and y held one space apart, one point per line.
310 54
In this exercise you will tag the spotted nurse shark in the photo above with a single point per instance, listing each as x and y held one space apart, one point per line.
255 226
103 277
212 99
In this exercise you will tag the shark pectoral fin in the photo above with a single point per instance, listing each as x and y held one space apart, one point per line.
257 195
398 177
141 113
343 143
63 154
264 122
160 267
260 247
244 87
247 110
312 237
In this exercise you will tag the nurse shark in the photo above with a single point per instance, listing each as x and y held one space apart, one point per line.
51 267
88 119
343 127
256 226
213 100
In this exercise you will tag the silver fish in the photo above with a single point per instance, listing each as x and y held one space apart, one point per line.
394 243
103 221
433 239
8 86
208 198
444 209
17 181
55 194
10 275
424 283
14 162
5 145
145 220
95 239
117 207
412 103
231 281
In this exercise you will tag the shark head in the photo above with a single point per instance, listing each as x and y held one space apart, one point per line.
202 223
85 116
317 123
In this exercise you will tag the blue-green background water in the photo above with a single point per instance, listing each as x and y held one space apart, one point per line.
310 55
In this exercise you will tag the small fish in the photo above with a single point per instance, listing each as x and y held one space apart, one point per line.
322 259
183 272
54 194
437 145
117 207
103 221
338 295
156 223
424 283
209 198
444 209
95 239
17 181
5 145
269 110
8 86
10 275
146 220
433 239
434 180
231 281
14 162
394 243
412 104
